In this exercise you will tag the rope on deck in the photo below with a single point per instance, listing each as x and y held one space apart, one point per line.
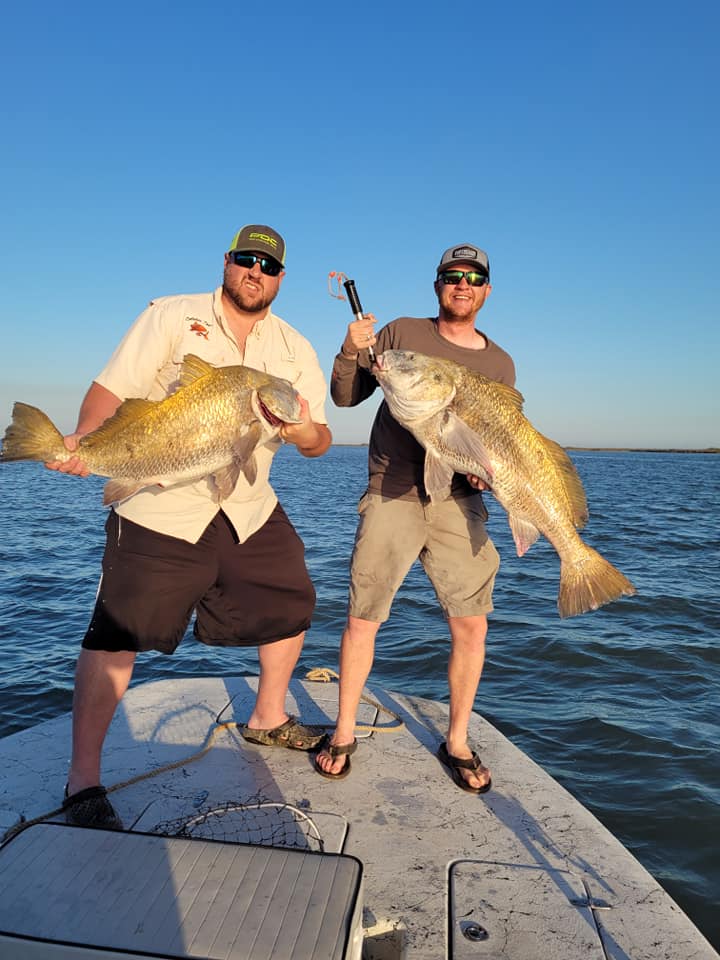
326 675
317 674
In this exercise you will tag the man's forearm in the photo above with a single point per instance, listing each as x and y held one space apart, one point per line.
350 383
317 445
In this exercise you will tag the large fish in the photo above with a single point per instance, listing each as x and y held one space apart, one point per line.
470 424
210 427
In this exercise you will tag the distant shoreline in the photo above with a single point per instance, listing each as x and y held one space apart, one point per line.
603 449
645 449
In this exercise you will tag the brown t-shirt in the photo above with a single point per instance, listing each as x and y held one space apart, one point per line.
395 458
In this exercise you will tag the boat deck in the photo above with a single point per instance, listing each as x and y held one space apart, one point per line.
521 872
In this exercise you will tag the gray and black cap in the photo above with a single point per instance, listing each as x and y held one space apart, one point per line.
465 253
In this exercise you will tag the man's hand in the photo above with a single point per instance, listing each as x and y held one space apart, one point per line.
360 335
476 482
74 466
312 439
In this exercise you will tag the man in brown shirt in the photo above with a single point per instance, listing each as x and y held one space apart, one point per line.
398 524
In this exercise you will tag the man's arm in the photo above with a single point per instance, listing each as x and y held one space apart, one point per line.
351 383
99 404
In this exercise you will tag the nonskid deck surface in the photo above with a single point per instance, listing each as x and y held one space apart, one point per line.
522 871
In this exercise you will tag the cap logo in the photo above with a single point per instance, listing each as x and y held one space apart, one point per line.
460 252
271 241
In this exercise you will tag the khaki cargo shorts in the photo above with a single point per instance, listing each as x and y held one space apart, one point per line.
449 539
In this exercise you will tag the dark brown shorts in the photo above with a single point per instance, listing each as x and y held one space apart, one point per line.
243 594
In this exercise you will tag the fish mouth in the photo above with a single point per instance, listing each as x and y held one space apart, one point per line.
270 417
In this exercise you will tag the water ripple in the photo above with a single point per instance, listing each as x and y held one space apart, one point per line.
621 705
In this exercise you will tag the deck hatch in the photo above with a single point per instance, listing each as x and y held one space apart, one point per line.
143 895
524 912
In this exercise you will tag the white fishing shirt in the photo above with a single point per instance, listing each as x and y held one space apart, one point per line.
147 364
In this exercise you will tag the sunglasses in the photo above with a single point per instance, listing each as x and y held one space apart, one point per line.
454 277
268 266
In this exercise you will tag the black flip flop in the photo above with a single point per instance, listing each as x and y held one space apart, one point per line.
344 750
456 764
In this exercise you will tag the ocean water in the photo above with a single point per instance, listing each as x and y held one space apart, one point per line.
620 705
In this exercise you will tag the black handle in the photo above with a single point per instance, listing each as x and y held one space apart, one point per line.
353 297
357 309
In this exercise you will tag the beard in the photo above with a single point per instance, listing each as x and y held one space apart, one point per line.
464 311
244 299
458 314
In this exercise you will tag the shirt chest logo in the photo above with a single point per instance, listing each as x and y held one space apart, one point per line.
197 327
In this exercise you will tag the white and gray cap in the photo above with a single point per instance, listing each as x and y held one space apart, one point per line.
465 253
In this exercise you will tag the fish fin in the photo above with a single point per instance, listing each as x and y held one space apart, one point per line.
192 369
462 440
524 533
437 476
571 481
249 469
244 450
590 582
32 436
244 447
129 411
116 490
224 481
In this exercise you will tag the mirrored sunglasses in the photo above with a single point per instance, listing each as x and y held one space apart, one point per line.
453 277
268 266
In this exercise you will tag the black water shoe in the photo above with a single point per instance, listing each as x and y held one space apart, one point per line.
91 808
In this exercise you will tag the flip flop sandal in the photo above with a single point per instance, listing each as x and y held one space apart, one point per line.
291 735
91 808
344 750
456 764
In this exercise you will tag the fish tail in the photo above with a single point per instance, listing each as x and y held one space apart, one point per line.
588 582
31 436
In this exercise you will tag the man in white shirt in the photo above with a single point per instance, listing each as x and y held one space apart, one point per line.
172 551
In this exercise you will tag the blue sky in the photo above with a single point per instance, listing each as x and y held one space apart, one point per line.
577 144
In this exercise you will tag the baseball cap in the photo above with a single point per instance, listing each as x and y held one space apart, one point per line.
465 253
258 238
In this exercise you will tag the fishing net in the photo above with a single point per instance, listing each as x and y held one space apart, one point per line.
255 821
